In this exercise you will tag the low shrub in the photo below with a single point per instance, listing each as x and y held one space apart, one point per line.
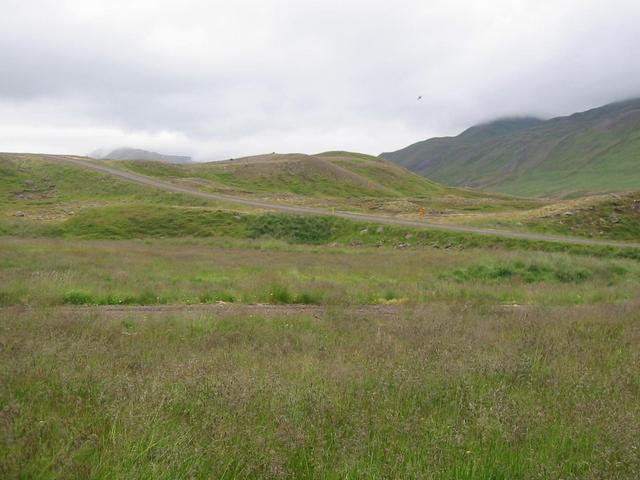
529 273
280 294
308 298
76 297
217 297
296 228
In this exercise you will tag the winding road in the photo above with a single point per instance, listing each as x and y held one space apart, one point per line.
152 182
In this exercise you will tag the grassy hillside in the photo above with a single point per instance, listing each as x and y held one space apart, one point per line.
34 182
333 174
615 216
590 152
44 198
344 180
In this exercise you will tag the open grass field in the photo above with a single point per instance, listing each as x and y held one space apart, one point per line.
446 392
54 272
148 334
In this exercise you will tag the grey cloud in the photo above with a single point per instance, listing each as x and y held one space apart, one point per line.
230 78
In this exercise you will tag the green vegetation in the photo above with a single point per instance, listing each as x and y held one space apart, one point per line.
55 272
140 221
335 348
298 229
344 180
440 392
529 272
334 174
590 152
614 216
32 183
135 221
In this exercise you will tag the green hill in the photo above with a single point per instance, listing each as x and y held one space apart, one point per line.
40 196
596 151
330 174
344 180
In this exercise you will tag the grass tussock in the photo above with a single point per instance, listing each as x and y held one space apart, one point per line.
280 294
528 272
79 297
297 229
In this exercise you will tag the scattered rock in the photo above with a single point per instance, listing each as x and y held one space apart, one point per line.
364 231
402 245
568 214
237 217
408 236
29 183
19 214
380 229
614 219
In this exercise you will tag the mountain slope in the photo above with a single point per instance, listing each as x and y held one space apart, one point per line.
137 154
595 151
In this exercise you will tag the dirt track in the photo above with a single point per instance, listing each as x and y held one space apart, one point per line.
152 182
223 309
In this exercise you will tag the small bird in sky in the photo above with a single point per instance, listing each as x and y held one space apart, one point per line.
419 97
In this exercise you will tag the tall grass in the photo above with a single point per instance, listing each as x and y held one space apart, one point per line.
51 272
443 392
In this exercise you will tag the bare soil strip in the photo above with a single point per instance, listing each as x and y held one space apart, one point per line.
152 182
223 309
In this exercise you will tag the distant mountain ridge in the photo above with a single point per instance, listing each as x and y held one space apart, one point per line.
501 126
126 153
595 151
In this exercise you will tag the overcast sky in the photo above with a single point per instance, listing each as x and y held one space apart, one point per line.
219 79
